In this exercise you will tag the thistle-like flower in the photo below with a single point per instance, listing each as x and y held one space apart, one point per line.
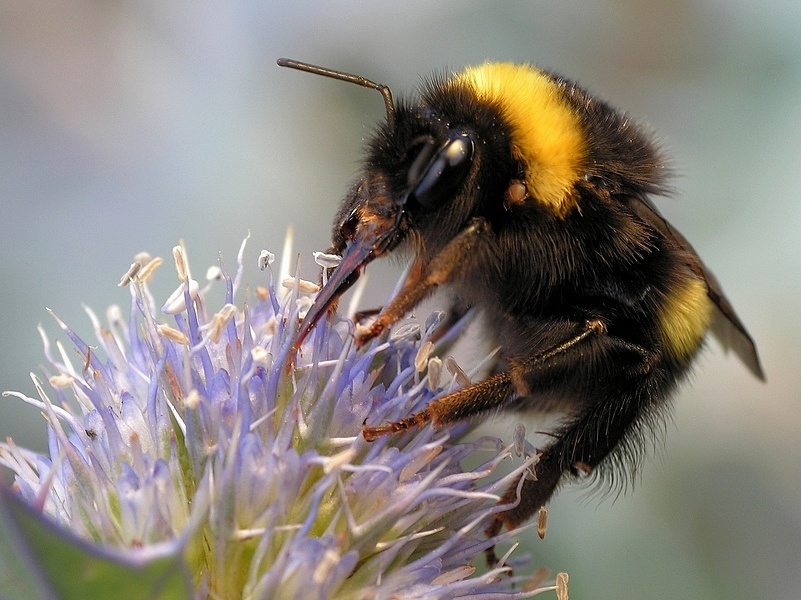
204 458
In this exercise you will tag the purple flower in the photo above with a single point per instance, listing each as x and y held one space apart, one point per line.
204 440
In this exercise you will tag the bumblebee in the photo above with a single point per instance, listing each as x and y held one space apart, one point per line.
530 200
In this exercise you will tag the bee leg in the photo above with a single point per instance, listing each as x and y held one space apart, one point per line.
492 393
594 433
486 395
423 279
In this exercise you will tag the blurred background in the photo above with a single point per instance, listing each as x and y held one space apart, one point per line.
125 126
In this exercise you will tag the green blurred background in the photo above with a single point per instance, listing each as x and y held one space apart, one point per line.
126 125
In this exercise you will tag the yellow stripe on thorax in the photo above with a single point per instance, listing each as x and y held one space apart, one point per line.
547 137
685 318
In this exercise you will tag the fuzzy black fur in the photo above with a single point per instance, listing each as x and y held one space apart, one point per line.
574 301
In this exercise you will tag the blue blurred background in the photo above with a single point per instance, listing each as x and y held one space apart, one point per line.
125 126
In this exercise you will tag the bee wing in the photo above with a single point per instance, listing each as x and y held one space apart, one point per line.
726 325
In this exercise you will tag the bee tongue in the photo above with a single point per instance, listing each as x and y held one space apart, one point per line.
371 240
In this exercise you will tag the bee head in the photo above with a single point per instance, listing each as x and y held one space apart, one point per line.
426 164
391 200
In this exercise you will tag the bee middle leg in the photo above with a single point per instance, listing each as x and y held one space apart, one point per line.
492 393
475 399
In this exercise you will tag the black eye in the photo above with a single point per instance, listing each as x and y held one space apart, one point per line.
439 172
425 148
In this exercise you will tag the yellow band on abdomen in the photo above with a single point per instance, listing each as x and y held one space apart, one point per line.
685 318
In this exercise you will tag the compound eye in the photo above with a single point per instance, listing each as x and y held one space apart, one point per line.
444 171
427 149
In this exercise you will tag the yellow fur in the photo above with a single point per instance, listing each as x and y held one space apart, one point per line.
547 137
686 317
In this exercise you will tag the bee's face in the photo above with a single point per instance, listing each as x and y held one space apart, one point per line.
407 189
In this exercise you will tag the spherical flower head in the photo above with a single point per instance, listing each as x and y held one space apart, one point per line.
196 436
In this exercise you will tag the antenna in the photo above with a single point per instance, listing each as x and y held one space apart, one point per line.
347 77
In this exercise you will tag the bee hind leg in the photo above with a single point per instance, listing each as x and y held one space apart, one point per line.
603 438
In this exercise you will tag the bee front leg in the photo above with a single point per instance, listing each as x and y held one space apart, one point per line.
423 278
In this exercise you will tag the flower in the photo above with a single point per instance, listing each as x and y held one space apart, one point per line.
203 442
